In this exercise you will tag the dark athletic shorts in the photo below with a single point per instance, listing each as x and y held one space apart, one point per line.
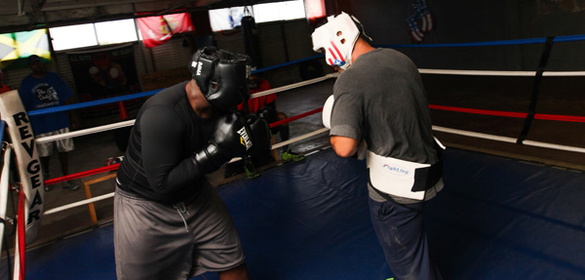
152 242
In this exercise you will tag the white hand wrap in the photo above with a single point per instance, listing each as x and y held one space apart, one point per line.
327 110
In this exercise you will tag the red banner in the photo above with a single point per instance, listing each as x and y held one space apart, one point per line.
158 29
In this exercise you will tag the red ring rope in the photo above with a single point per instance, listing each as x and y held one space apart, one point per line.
21 234
509 114
81 174
287 120
115 166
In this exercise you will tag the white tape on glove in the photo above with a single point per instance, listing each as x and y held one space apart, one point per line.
327 110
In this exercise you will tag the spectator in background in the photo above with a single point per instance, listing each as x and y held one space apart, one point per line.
40 90
3 87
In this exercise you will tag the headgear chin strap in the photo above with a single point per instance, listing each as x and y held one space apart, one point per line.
221 76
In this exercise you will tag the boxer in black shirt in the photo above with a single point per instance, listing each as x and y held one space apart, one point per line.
169 223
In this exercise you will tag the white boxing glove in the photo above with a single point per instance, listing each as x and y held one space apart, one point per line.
327 110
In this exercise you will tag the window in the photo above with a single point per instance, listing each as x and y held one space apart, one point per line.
72 37
230 18
117 31
93 34
279 11
225 19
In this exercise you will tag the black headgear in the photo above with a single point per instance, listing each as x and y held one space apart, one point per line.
221 76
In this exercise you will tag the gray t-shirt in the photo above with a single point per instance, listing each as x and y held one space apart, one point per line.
381 99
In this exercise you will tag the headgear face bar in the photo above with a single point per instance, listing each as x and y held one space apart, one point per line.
221 76
337 37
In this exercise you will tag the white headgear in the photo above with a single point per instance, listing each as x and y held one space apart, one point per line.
337 37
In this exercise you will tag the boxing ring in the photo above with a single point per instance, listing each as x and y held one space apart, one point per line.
497 218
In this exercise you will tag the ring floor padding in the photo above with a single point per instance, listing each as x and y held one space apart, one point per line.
496 219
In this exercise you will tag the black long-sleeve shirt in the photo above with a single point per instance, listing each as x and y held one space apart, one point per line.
158 164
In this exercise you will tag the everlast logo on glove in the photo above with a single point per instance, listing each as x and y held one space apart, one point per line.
245 138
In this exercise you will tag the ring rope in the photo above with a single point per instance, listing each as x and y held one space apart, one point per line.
508 139
4 189
317 132
110 195
456 109
20 250
548 117
295 85
299 138
2 127
302 137
500 73
293 118
115 166
82 174
117 125
78 203
303 83
287 63
84 132
305 136
127 97
92 103
566 38
558 39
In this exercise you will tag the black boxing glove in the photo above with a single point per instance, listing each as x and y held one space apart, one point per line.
231 138
268 112
261 135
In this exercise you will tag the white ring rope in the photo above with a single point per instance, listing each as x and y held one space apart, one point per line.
322 130
295 85
106 196
4 184
84 132
79 203
117 125
113 126
299 138
500 73
509 139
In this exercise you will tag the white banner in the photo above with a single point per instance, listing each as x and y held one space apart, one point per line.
27 160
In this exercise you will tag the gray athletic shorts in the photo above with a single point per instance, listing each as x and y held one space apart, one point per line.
151 240
63 145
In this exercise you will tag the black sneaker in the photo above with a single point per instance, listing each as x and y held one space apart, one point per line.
70 185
